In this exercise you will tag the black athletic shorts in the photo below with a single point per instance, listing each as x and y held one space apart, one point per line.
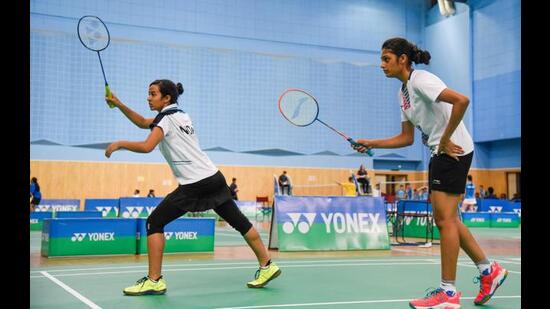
209 193
447 174
205 194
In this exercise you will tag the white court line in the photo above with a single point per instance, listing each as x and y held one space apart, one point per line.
251 263
507 261
410 251
232 235
240 267
70 290
468 265
350 302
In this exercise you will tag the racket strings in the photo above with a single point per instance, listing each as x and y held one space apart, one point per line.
299 108
93 33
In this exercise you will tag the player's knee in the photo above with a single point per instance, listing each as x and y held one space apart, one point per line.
243 226
445 223
153 225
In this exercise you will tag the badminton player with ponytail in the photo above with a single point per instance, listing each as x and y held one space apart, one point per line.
437 111
201 185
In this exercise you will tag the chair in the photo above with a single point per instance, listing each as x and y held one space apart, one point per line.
263 208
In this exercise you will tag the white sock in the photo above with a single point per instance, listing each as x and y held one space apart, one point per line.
484 267
448 286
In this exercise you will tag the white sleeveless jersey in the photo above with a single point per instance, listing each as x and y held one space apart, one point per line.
180 146
419 105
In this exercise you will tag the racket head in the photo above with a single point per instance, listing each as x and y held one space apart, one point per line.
93 33
298 107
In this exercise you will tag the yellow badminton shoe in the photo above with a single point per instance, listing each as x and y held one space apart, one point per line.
146 286
263 276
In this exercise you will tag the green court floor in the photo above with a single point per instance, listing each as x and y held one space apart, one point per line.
306 282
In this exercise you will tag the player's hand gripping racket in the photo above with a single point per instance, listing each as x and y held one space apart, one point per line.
94 35
301 109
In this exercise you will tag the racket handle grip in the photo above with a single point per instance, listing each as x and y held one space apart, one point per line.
108 94
354 143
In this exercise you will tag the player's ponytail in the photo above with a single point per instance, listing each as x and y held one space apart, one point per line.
400 46
420 56
179 87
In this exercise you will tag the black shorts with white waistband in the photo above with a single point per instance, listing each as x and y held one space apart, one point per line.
447 174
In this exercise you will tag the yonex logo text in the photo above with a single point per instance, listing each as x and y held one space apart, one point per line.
77 237
56 208
351 223
180 235
335 222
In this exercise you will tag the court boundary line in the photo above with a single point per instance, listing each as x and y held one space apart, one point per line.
241 267
348 302
253 262
67 288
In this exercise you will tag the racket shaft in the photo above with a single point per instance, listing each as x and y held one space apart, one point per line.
349 139
333 129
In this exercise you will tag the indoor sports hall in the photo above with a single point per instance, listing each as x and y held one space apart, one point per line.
275 154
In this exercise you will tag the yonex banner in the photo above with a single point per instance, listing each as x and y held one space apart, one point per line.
58 205
416 219
419 227
302 223
87 236
504 219
78 214
476 219
108 207
37 219
182 235
248 208
138 207
494 205
516 207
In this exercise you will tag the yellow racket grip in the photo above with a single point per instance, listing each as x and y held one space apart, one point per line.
108 94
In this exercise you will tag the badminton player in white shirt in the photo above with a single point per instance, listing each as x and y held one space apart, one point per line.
436 110
201 185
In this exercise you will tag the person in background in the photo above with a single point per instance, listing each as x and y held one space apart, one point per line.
348 188
491 193
401 194
469 202
363 180
408 191
136 193
233 189
424 195
284 183
482 192
36 196
416 194
151 193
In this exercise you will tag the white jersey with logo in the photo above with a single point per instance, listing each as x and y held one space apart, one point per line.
419 105
180 146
